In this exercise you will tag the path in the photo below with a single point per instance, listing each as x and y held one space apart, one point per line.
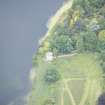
67 55
69 93
86 91
68 90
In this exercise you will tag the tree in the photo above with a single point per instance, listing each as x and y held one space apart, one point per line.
62 43
97 3
92 3
51 76
87 41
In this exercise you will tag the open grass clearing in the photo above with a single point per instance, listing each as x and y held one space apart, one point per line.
75 86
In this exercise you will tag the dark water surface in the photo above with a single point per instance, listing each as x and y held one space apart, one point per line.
22 23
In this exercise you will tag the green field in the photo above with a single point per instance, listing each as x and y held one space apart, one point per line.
79 84
75 43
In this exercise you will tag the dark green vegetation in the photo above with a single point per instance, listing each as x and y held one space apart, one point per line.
51 76
77 31
62 44
76 37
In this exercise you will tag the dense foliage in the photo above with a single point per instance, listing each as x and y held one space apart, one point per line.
51 76
81 26
62 44
87 41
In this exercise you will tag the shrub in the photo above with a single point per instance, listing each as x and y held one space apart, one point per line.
97 3
92 3
51 76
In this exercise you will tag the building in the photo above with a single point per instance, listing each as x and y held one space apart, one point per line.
49 56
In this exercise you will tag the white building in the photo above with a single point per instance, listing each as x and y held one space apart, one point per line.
49 56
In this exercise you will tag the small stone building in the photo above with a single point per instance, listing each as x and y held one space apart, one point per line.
49 56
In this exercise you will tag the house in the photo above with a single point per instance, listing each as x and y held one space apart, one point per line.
49 56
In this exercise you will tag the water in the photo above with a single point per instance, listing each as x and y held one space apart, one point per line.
22 23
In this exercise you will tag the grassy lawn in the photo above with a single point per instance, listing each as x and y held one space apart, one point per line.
77 91
66 99
79 83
